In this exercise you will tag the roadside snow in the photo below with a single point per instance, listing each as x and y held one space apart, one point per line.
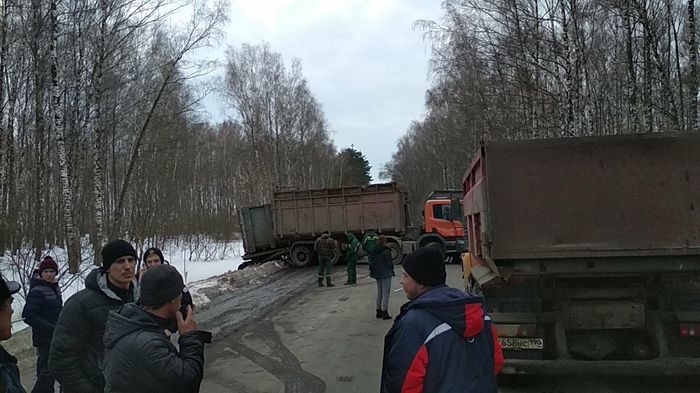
250 276
192 271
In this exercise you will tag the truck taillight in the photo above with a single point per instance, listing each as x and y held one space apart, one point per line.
690 330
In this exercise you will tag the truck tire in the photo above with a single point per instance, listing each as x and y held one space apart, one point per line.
301 256
396 252
438 246
335 259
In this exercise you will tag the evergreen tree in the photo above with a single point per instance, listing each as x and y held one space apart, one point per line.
352 168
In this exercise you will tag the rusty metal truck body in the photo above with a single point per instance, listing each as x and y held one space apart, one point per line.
594 249
288 227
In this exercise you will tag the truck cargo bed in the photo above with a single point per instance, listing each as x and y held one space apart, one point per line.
616 196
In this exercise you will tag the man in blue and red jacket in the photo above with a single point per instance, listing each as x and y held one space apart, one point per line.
442 340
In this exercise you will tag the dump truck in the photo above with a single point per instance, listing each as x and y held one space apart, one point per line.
587 251
287 227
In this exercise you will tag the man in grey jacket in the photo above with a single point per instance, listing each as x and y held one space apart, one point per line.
137 342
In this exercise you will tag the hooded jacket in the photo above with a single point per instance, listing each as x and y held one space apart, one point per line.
353 246
441 342
9 374
41 310
324 246
77 350
135 345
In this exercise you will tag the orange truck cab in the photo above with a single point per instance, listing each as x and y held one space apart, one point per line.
442 224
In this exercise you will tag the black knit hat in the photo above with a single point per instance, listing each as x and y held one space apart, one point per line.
115 250
160 285
426 265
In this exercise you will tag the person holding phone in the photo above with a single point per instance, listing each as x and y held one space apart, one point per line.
137 341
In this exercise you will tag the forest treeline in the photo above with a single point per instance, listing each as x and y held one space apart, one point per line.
522 69
102 133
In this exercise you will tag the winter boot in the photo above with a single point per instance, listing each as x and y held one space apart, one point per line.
379 313
385 315
320 282
329 285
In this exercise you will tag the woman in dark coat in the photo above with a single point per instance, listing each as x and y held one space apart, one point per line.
381 269
41 311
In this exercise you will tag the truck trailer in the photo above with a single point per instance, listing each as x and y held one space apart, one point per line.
287 228
587 251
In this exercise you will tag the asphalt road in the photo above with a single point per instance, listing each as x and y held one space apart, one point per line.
328 340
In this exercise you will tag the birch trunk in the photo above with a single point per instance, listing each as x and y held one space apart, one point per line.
4 139
72 232
98 139
693 82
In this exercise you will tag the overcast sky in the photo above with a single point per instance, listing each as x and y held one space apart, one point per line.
364 61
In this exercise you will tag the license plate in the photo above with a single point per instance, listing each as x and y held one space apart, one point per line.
521 343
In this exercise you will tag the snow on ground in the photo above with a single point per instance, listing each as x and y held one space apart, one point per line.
208 260
249 276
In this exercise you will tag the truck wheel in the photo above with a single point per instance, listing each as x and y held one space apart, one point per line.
335 259
438 246
301 256
396 252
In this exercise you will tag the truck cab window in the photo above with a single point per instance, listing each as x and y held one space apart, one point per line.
441 212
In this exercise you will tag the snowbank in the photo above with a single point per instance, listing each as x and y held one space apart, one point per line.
227 259
249 276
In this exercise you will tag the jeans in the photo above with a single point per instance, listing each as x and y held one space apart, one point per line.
383 292
44 379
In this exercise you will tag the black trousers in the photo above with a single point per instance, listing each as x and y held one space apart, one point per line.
44 380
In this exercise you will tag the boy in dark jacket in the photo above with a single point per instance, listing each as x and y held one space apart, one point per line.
41 311
442 341
77 351
9 372
139 356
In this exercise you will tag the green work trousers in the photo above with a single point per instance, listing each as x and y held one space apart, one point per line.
352 271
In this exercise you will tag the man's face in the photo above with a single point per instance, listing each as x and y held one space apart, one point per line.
153 260
411 287
122 270
6 319
175 305
48 275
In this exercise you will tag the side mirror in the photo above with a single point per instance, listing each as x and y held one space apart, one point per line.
455 209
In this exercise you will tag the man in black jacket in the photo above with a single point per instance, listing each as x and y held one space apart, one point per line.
77 351
137 342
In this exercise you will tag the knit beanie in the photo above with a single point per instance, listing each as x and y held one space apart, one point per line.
48 263
160 285
426 266
115 250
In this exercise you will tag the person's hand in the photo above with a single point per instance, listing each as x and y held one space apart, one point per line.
188 324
